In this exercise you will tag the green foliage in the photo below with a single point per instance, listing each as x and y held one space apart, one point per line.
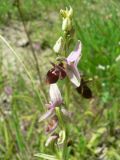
95 129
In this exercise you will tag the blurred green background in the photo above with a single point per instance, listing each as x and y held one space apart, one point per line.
95 125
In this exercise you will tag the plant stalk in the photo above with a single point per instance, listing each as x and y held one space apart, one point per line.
32 49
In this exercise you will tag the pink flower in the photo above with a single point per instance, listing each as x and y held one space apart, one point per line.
72 62
70 69
55 100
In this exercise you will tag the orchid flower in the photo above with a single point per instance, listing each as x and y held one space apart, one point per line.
72 62
55 100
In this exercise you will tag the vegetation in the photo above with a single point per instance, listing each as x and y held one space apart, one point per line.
94 128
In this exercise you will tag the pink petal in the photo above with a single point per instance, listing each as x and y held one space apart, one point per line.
47 115
55 94
73 74
50 105
76 54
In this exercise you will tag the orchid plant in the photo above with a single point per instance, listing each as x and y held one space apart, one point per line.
65 67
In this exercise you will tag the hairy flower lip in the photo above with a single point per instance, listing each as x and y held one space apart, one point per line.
57 72
52 76
84 90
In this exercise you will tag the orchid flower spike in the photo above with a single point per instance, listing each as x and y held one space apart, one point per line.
72 62
55 100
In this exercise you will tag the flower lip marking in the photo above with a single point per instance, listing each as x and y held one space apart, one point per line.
57 72
52 76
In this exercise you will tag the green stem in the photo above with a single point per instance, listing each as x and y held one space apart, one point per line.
32 49
59 115
67 96
67 86
63 126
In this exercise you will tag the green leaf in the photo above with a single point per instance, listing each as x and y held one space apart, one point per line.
45 156
96 137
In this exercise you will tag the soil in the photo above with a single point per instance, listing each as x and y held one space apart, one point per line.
15 35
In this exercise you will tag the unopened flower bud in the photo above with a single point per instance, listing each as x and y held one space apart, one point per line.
67 13
58 45
63 13
67 24
70 12
62 136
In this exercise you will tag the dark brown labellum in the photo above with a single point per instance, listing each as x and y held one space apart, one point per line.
52 76
57 72
84 90
69 143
